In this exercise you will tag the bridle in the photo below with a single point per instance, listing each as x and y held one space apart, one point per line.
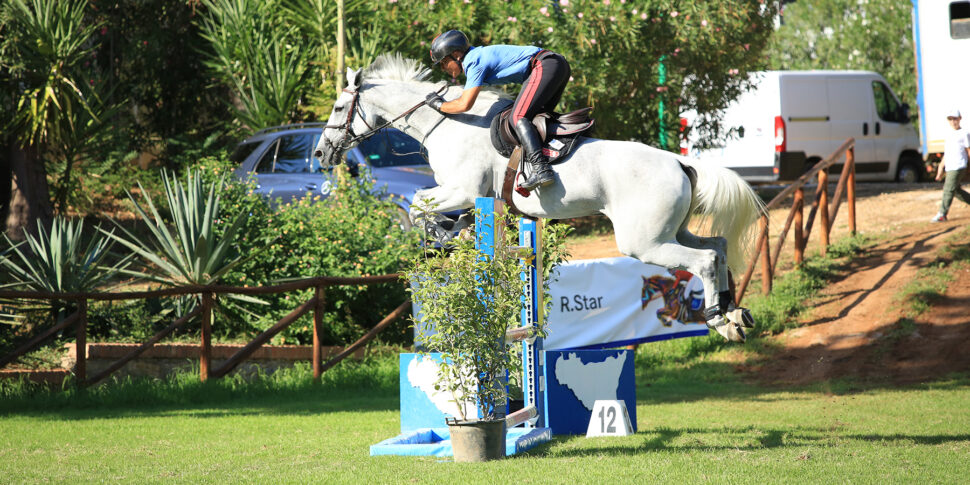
350 138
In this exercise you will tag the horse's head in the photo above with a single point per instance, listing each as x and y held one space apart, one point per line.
346 120
360 108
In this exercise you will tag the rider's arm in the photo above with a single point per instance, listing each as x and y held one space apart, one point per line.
463 103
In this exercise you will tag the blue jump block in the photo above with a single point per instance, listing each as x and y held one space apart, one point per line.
575 379
423 415
437 442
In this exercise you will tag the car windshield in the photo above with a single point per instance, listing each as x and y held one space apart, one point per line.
392 148
242 151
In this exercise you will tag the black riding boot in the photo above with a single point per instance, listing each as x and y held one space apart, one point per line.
542 175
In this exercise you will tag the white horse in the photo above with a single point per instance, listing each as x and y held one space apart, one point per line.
647 193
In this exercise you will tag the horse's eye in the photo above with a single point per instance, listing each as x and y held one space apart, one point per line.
338 109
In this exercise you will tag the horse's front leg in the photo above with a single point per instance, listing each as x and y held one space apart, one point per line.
429 204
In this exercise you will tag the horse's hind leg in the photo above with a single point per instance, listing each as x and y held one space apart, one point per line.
700 262
740 316
719 246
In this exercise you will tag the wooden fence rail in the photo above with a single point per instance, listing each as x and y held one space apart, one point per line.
204 311
802 232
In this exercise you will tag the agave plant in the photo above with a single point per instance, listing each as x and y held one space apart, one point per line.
191 252
61 261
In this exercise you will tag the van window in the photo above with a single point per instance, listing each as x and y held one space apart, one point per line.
886 105
960 20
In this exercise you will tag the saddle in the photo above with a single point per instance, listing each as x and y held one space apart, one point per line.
557 131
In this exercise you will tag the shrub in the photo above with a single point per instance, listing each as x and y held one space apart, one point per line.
353 232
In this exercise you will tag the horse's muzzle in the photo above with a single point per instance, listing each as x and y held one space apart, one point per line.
326 154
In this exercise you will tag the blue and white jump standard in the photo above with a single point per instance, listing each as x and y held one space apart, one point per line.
551 403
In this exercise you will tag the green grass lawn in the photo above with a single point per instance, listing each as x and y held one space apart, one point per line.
699 421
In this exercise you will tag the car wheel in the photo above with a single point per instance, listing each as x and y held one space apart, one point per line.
403 219
909 171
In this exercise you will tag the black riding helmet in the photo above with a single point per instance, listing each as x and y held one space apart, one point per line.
446 43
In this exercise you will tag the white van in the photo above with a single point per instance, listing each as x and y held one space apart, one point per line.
941 34
792 119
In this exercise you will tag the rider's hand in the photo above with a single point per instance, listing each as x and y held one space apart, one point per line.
434 100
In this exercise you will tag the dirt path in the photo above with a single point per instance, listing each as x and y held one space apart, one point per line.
857 327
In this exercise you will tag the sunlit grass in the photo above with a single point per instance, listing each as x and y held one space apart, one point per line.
698 422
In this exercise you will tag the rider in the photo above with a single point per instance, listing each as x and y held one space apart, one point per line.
543 75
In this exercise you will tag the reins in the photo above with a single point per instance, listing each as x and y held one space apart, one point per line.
351 138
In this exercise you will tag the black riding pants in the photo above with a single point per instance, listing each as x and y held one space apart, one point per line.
543 86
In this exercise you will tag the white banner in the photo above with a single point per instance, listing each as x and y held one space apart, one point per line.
611 302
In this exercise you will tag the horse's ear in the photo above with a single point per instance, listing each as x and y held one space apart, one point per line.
354 78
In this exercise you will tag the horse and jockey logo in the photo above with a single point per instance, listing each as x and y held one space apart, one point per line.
683 301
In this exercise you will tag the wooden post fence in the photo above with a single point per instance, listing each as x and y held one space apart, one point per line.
204 312
821 206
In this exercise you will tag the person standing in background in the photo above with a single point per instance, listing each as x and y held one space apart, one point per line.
956 154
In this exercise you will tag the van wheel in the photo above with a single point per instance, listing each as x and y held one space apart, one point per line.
809 163
910 170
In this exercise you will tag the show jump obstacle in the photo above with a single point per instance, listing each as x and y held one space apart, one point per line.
559 386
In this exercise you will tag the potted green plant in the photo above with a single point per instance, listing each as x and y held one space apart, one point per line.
468 302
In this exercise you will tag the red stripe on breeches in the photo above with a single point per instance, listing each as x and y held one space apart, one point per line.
543 87
524 101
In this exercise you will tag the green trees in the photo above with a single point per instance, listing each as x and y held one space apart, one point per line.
260 56
874 35
43 51
615 49
189 73
67 68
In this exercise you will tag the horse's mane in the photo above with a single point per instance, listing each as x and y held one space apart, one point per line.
395 67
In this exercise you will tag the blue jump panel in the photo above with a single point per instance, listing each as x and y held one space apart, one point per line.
437 442
575 379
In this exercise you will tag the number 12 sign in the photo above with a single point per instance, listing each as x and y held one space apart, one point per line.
609 418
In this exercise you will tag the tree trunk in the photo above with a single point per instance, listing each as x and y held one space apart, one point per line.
6 181
30 198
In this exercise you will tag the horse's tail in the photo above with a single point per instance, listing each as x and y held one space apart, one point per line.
729 206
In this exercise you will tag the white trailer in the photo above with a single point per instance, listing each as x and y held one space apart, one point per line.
941 35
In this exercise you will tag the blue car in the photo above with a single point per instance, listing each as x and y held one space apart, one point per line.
280 159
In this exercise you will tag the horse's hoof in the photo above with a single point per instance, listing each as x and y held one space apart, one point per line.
741 316
729 330
437 234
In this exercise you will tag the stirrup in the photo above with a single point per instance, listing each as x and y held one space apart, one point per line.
524 192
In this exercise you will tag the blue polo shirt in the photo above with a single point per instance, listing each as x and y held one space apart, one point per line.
497 64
